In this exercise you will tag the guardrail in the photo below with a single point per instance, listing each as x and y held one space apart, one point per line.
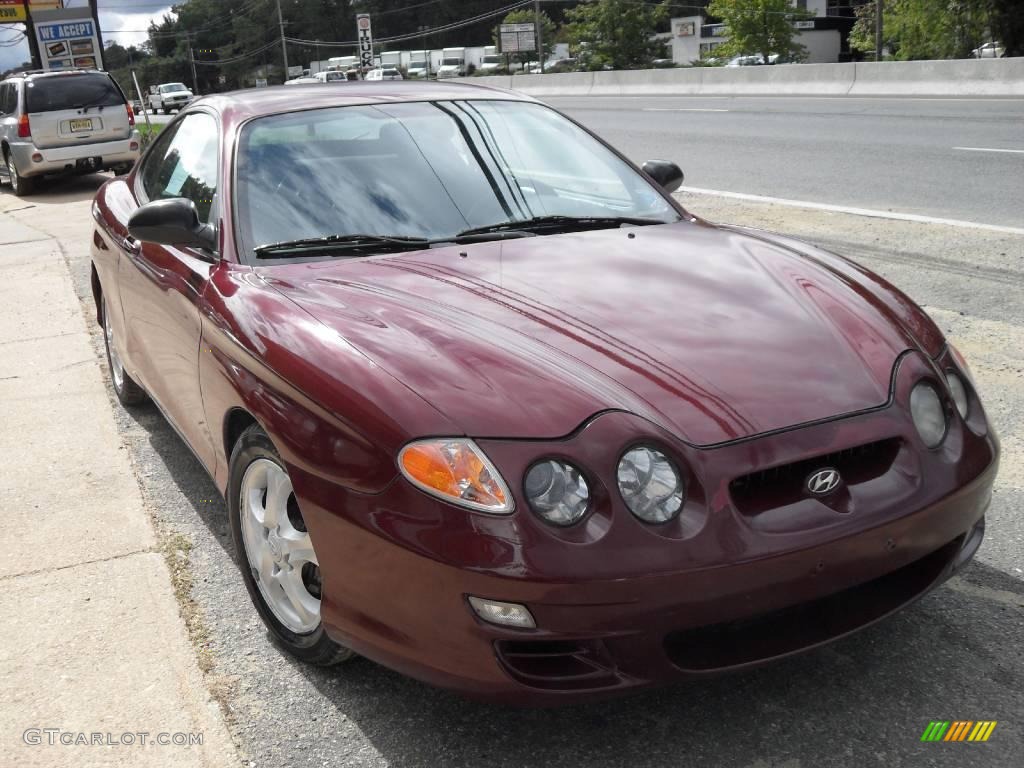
961 77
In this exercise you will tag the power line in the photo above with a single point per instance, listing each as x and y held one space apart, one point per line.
420 33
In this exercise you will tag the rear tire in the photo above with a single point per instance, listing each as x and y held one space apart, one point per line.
274 552
128 392
20 185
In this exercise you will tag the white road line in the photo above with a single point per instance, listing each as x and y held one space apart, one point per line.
682 109
856 211
990 149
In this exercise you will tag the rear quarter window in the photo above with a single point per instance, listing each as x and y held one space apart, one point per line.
52 94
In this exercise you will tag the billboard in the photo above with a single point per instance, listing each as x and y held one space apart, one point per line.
365 37
12 11
517 38
68 39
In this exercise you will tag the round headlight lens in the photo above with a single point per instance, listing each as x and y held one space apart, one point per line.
959 393
557 491
928 415
650 485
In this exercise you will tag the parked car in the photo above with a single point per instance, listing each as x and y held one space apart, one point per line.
331 76
989 51
383 74
76 121
489 407
302 80
169 96
751 61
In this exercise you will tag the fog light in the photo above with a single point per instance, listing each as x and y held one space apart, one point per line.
506 614
37 158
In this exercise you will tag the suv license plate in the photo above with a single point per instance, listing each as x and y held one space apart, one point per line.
81 125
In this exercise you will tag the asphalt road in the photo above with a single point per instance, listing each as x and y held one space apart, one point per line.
889 154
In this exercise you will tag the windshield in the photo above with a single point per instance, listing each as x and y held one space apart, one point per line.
452 62
426 170
492 59
52 94
173 87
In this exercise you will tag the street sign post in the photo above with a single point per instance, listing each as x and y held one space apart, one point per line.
365 37
517 38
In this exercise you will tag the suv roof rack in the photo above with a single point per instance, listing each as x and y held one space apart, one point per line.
69 70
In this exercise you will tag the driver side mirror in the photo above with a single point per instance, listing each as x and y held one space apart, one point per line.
172 222
668 175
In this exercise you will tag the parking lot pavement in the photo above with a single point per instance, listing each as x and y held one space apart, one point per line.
863 701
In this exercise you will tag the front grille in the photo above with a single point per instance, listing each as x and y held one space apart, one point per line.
776 486
568 665
808 624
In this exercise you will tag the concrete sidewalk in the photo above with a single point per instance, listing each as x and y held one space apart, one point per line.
94 647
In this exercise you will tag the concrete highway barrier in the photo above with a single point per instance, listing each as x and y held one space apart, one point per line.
962 77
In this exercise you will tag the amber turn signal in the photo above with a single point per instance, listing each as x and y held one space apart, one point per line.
456 470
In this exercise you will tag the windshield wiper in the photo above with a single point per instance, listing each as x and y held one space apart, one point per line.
345 243
558 222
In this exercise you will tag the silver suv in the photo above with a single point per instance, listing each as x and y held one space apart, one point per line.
59 122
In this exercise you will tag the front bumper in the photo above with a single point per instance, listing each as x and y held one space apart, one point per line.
620 606
106 154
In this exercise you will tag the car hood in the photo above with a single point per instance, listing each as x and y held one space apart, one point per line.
713 334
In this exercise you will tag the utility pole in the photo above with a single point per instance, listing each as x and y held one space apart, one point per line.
192 61
878 29
540 42
284 46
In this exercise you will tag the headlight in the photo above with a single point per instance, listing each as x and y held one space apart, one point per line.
650 485
928 414
456 470
556 491
959 393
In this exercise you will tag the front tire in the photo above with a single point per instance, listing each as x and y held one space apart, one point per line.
275 553
128 392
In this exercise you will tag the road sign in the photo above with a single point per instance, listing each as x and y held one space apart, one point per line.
295 71
261 82
517 38
365 37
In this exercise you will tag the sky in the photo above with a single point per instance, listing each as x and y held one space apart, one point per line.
127 15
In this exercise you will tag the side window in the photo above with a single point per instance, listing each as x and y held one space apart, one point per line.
6 98
184 164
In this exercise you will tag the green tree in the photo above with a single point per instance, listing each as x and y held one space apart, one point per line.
548 31
933 29
759 26
616 33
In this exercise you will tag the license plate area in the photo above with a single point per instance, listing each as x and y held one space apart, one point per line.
81 124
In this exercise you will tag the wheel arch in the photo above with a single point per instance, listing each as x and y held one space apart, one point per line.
97 292
236 421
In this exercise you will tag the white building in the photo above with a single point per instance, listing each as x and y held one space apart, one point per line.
826 36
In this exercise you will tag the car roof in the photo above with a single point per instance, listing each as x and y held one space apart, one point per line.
257 102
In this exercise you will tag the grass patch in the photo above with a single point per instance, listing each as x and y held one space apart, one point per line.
147 132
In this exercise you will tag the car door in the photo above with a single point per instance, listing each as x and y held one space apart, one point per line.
162 286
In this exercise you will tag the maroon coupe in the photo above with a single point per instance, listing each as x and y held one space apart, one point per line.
490 408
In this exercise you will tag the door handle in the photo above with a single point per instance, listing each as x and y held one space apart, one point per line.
131 245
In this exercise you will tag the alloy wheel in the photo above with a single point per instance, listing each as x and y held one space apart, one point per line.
278 547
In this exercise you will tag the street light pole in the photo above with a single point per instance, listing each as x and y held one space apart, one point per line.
540 42
284 47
